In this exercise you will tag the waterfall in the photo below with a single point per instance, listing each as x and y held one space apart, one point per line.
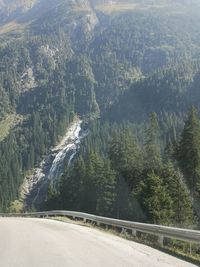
65 151
51 168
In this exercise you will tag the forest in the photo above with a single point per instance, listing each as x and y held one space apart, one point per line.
116 175
133 78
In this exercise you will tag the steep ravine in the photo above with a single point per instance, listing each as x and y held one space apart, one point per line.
50 170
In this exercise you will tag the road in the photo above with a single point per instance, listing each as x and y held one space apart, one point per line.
47 243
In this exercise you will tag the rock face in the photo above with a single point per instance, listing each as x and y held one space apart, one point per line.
27 80
10 9
91 21
23 11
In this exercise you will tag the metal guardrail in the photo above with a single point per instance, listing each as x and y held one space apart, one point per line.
192 236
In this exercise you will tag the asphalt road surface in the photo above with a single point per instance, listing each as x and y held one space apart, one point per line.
48 243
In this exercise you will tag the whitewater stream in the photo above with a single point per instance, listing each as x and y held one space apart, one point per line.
50 170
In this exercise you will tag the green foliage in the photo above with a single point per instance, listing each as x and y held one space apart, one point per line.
106 191
90 186
189 151
155 199
152 148
122 69
183 214
16 207
126 156
120 183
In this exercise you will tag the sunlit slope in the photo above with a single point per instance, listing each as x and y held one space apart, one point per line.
15 15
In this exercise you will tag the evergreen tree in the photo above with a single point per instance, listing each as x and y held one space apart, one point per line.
126 157
106 195
188 154
181 203
152 149
52 199
155 199
71 187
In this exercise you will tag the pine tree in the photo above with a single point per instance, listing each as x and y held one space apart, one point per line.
71 188
94 173
152 148
188 154
182 205
155 199
126 157
106 194
52 199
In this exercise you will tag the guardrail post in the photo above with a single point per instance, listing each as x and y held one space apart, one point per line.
160 240
190 248
134 232
123 231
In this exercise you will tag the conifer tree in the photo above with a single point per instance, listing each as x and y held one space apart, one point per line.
71 188
155 199
181 202
152 148
188 154
126 157
106 195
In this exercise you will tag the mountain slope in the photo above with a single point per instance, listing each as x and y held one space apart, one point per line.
169 90
62 59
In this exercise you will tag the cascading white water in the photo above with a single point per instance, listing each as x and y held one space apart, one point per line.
67 148
52 167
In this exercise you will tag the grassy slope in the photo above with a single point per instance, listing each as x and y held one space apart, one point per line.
7 124
127 6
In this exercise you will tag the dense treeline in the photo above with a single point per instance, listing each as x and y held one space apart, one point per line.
113 66
38 82
170 90
30 141
47 110
47 100
136 181
137 44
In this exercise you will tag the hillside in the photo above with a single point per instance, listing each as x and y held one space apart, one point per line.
111 64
